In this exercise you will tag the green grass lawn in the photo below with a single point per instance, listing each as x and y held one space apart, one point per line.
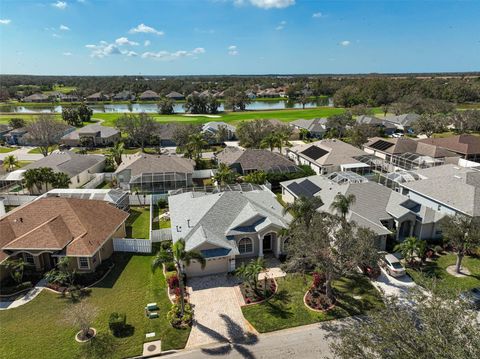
444 281
162 223
7 149
23 163
138 224
37 329
37 149
286 309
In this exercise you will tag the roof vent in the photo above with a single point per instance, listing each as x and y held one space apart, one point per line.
179 228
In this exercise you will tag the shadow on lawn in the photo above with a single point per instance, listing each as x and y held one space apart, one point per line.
278 305
121 260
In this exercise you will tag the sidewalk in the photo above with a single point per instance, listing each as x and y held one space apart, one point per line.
31 294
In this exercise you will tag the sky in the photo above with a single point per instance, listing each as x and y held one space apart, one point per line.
208 37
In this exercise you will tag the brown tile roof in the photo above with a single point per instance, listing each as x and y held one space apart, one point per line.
407 145
80 227
464 144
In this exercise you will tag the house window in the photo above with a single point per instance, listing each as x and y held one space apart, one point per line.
245 245
83 263
28 258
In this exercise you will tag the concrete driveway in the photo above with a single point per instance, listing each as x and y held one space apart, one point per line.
218 317
392 286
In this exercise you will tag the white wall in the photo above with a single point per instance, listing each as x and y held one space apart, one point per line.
431 203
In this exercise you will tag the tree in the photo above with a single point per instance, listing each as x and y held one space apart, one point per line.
16 122
70 116
180 257
348 96
212 104
81 315
249 272
84 113
16 268
360 133
222 134
342 204
270 141
45 132
257 177
304 134
47 176
10 162
410 248
236 99
166 106
195 103
116 152
61 180
32 180
252 133
303 99
462 233
338 124
224 175
435 327
428 124
138 128
303 209
194 147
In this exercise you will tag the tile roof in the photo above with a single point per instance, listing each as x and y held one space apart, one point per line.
464 144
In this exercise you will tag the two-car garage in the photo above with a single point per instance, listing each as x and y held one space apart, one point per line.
215 265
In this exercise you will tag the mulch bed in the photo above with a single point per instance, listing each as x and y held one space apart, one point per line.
250 295
316 299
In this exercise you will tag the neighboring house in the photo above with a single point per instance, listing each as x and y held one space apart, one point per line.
93 135
227 227
14 137
387 127
116 197
149 95
43 231
80 168
166 133
449 189
376 207
213 127
124 96
97 96
4 129
154 173
245 161
175 96
68 97
327 156
316 127
37 97
403 122
466 146
407 153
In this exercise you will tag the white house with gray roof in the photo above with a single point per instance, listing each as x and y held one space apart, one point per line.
227 226
376 207
212 128
92 135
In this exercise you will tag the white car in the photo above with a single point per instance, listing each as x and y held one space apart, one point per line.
392 265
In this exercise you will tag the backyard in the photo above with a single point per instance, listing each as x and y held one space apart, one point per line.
286 309
436 270
138 223
127 289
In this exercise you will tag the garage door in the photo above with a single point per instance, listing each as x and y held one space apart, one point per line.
213 266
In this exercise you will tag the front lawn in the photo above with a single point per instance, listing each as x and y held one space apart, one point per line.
436 270
37 329
138 224
7 149
286 309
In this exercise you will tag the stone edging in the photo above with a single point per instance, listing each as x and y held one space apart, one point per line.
316 310
263 300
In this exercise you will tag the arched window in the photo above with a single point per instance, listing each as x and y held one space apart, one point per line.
245 245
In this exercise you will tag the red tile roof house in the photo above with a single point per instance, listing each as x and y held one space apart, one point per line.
46 229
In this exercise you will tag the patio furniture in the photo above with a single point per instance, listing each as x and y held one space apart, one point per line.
152 306
152 315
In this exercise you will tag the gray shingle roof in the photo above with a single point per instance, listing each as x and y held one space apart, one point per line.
104 131
143 163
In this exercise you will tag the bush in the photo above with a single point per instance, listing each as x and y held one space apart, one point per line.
162 203
173 316
438 249
172 281
170 267
117 323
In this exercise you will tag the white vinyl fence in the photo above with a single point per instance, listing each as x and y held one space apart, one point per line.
160 235
132 245
16 200
97 179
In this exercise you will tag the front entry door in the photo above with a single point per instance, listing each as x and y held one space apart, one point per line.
267 242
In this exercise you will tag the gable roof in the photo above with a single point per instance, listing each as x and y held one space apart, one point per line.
143 163
77 226
215 125
397 146
316 125
104 131
255 159
464 144
405 120
149 94
175 94
36 97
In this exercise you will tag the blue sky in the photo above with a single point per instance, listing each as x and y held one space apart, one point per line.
88 37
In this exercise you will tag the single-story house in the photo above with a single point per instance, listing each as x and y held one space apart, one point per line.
37 97
93 135
327 156
124 96
403 122
166 133
388 127
149 95
449 189
376 207
212 128
14 137
68 97
466 146
245 161
154 173
316 127
43 231
97 96
175 96
115 197
227 227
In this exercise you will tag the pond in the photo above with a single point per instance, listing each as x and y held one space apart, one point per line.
153 108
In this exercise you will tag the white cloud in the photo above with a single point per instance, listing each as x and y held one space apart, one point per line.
67 54
103 49
64 28
146 43
271 4
170 56
121 41
5 21
345 43
57 36
317 14
129 53
281 26
232 50
142 28
62 5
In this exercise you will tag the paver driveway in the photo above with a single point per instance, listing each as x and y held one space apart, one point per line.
218 317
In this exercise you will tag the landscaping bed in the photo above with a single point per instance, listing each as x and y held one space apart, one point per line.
253 295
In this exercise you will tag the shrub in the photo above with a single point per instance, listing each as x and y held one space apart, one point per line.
117 323
173 316
170 267
162 203
172 281
438 249
318 279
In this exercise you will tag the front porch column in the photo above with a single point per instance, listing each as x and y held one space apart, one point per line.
398 225
260 246
232 264
412 227
278 242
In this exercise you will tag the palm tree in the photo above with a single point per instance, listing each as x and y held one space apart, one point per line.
249 272
224 174
342 204
46 176
32 179
61 180
410 248
303 209
282 139
270 141
16 267
180 257
10 162
116 152
195 144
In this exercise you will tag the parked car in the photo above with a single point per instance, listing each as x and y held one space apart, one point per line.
392 265
471 297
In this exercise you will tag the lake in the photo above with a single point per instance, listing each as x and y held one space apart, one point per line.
153 108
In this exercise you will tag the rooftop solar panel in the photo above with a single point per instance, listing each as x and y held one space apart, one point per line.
314 152
310 186
303 189
381 145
